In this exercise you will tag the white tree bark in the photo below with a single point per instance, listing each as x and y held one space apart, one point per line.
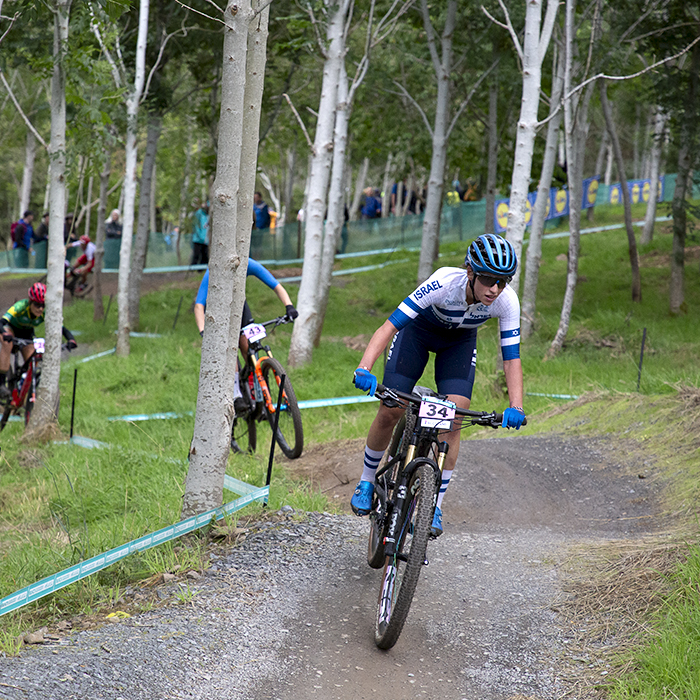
532 54
336 199
301 347
130 181
359 186
43 417
655 162
98 312
28 175
242 78
492 166
534 249
576 131
442 65
155 123
386 187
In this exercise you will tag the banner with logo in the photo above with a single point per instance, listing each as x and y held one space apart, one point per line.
639 191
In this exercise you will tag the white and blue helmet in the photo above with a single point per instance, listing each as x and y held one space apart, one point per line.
491 254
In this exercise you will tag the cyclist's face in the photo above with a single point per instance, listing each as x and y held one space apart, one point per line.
37 309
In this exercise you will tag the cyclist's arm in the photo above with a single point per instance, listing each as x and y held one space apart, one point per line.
513 370
377 343
199 317
282 295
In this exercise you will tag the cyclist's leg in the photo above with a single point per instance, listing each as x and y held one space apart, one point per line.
407 358
246 318
455 369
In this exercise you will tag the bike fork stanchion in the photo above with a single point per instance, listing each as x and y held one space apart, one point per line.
274 434
72 406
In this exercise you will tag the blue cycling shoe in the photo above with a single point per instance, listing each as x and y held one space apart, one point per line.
436 527
361 501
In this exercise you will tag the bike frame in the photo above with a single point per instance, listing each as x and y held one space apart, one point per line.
29 367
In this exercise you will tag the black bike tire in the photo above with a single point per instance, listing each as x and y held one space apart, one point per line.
294 447
5 417
379 526
244 429
388 628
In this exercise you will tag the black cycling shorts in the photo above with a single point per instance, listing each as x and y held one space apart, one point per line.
455 358
23 332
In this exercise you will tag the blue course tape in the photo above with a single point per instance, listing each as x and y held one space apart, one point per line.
135 418
50 584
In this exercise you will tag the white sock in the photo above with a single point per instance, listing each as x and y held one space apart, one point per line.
446 476
372 460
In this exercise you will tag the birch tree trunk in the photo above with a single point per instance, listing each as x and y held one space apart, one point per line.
492 167
43 419
288 190
386 187
336 200
359 186
539 212
99 312
617 151
442 65
655 162
132 112
25 196
155 123
575 130
532 54
303 335
687 154
242 78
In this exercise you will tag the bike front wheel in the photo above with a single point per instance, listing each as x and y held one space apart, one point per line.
289 435
244 431
402 570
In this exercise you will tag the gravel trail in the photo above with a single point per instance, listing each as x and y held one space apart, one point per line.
289 612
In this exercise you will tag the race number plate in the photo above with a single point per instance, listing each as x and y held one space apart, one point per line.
436 413
254 332
39 345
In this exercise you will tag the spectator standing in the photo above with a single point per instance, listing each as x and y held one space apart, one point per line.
261 212
113 226
24 231
371 206
68 232
397 207
42 230
200 235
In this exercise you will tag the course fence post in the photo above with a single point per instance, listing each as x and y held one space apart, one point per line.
274 433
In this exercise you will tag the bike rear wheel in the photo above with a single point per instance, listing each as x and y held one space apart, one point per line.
244 431
401 571
5 417
290 435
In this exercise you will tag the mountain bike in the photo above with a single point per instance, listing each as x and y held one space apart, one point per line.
260 379
405 494
23 379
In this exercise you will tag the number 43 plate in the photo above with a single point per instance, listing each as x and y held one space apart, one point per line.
436 413
253 332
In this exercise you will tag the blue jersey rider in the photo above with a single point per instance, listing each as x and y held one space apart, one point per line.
442 316
264 275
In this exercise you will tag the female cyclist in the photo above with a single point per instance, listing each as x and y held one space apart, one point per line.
442 316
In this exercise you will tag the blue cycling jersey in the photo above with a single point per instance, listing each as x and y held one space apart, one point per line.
254 268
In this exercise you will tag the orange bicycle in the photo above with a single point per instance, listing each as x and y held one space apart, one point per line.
260 380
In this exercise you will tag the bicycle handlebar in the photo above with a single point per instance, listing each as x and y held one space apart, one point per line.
279 321
491 419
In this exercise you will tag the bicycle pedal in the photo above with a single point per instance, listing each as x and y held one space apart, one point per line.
425 562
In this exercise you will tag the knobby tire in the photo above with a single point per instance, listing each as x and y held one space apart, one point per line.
290 435
244 431
400 578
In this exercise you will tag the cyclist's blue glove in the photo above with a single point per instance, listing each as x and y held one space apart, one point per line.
365 380
513 418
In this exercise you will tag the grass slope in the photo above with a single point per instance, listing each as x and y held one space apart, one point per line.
60 503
